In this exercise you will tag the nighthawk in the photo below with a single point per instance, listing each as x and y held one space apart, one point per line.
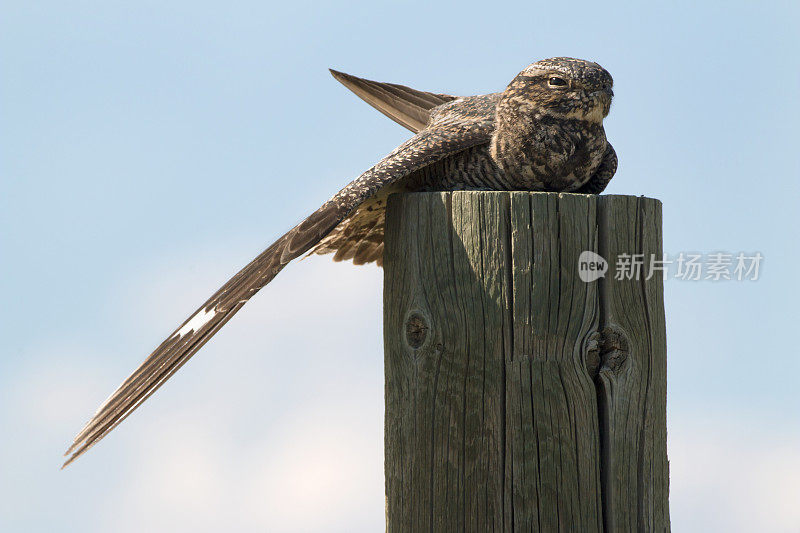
544 132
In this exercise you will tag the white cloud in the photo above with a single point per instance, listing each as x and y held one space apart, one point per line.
276 418
324 474
276 429
734 474
320 470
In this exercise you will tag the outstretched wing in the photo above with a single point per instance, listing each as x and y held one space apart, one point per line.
408 107
450 133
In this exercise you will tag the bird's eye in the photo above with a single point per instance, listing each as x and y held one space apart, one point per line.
555 81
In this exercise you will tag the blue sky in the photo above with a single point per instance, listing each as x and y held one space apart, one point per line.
150 149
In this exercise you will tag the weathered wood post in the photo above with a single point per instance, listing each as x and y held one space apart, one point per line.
519 397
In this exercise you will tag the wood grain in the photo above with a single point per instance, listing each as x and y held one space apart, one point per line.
507 406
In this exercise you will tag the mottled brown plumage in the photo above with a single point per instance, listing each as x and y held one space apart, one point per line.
543 132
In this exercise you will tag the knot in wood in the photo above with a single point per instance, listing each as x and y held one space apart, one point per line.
607 349
416 330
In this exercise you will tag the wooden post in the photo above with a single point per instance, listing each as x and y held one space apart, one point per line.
519 397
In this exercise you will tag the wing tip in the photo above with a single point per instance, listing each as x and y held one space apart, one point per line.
70 459
336 73
75 450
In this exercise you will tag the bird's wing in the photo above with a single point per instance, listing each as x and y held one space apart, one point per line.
408 107
450 133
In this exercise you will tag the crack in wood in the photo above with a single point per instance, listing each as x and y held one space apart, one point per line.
546 410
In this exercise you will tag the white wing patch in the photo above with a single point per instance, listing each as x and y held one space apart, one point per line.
196 322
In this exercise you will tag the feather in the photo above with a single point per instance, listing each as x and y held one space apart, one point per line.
408 107
449 134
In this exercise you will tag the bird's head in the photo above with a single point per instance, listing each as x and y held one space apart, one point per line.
561 87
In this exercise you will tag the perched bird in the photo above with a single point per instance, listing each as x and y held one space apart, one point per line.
544 132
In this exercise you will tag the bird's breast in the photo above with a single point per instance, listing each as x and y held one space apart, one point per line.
549 154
